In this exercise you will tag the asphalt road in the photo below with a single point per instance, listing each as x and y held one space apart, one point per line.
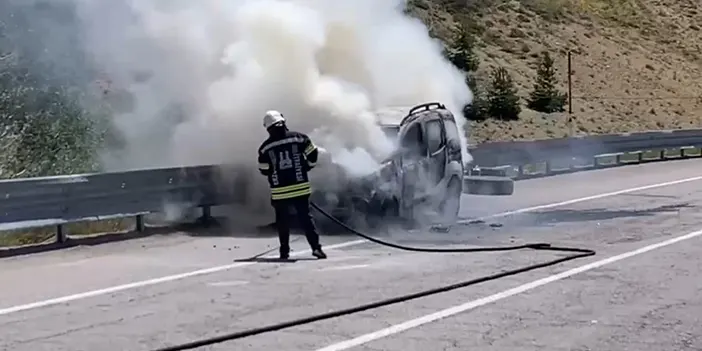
154 292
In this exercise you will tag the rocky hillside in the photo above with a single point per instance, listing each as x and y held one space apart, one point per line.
636 64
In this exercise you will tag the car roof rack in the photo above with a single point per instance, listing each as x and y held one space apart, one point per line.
425 107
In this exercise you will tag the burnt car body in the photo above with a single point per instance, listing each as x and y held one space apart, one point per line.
422 180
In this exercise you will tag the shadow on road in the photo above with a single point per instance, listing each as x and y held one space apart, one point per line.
596 214
275 260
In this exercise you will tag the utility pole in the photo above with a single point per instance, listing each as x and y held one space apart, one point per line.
570 94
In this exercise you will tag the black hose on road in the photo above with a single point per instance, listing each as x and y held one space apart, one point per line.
578 253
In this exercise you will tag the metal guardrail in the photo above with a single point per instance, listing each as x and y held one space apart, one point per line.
529 159
35 202
40 202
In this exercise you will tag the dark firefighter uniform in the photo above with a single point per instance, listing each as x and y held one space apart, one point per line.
285 158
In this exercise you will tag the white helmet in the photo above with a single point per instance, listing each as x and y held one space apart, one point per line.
272 118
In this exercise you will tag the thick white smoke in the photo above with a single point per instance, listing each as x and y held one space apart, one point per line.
325 64
204 72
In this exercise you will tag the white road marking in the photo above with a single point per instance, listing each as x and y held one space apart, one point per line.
228 283
170 278
414 323
73 263
143 283
343 268
583 199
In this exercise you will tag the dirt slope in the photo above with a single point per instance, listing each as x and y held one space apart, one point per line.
637 64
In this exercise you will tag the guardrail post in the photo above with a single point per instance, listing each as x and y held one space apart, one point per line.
60 234
683 151
140 223
206 217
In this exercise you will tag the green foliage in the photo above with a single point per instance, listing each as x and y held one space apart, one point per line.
460 51
44 127
53 136
545 97
46 132
503 101
477 110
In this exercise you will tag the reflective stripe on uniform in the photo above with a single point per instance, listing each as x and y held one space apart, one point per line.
289 188
291 195
310 149
311 164
282 142
290 191
264 166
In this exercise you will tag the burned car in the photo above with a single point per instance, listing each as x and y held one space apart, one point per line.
421 181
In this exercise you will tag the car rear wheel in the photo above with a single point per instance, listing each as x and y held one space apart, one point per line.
451 203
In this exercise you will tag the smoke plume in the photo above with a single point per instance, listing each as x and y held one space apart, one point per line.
203 73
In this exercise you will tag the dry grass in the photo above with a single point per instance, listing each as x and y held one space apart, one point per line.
39 235
637 64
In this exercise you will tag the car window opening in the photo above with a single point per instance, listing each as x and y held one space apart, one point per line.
413 141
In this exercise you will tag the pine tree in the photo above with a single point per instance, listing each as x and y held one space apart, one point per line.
503 101
460 51
477 110
545 97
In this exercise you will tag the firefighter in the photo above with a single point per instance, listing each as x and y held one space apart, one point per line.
285 158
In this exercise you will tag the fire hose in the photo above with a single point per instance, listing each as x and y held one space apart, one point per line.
577 253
